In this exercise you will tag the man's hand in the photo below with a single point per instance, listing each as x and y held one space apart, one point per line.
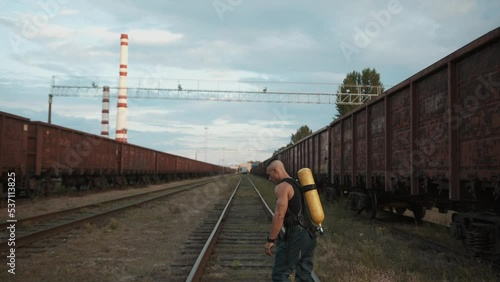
268 247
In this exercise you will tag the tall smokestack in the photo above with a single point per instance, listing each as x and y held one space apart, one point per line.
105 112
121 118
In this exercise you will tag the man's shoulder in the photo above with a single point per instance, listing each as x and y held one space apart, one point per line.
286 182
286 188
283 186
290 182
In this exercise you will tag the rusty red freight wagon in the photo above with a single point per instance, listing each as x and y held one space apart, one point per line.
182 167
166 166
43 155
431 140
312 152
137 165
13 149
78 158
434 140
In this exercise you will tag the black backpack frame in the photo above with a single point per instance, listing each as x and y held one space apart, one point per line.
303 217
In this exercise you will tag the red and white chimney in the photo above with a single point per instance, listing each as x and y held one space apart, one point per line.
105 112
121 117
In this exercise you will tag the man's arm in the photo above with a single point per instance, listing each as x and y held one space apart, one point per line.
281 192
280 211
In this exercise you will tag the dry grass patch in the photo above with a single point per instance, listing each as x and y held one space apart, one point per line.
138 245
353 250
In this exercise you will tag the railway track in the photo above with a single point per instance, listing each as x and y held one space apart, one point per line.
233 249
35 228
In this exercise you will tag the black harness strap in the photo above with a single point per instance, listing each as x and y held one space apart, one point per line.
289 223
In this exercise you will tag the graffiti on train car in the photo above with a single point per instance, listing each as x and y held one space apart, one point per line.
458 117
377 126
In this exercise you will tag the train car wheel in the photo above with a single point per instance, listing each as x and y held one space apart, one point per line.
35 188
363 201
337 193
371 208
400 211
418 212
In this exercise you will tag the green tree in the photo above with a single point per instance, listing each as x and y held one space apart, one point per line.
302 132
367 81
282 148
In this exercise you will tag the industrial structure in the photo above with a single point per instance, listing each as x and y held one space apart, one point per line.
242 91
121 116
105 112
246 91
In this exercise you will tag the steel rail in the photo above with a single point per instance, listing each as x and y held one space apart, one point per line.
201 261
50 231
46 216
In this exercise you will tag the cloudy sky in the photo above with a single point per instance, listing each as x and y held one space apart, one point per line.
287 44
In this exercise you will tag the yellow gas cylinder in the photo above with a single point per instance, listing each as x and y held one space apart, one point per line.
311 197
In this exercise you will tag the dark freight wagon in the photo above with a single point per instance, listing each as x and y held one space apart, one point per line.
166 165
13 148
137 164
76 158
433 140
44 156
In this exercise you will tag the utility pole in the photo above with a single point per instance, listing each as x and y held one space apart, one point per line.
50 108
206 135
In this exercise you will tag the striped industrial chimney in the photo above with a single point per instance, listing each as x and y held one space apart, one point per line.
121 118
105 112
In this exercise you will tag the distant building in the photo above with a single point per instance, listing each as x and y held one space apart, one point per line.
245 167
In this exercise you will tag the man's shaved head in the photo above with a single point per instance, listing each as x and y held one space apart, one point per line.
275 164
275 170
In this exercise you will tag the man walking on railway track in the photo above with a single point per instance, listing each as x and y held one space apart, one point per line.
295 250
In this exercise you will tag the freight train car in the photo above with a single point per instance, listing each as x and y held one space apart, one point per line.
42 155
13 147
166 166
136 160
312 152
432 140
77 158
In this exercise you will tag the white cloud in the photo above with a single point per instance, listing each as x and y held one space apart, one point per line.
92 34
52 31
69 12
153 36
441 10
99 33
284 41
260 45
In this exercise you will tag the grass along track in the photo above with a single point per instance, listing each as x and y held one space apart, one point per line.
353 249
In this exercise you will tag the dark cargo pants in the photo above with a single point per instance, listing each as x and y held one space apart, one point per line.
298 257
